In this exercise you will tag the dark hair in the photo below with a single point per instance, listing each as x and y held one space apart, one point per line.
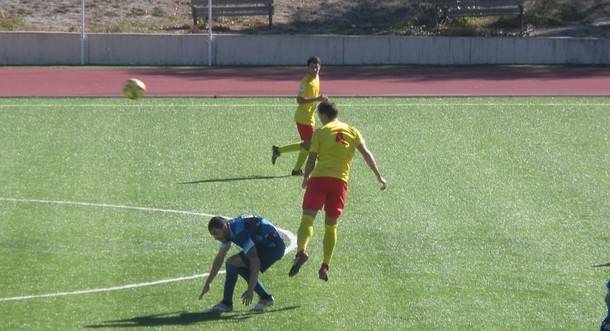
329 109
313 59
217 222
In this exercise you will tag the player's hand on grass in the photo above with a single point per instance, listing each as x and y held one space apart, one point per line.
206 289
383 182
247 297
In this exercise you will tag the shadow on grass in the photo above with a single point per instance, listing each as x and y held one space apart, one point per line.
182 318
601 265
203 181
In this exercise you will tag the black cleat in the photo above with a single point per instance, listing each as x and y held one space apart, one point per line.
323 272
275 153
299 260
297 172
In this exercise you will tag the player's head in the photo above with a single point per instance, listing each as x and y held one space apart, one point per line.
327 111
219 228
313 65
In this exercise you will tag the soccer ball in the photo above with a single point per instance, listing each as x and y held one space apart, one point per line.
134 89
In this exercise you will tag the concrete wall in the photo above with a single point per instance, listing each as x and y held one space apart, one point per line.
25 48
20 48
147 49
276 49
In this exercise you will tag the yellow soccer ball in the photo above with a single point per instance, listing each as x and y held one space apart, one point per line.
134 89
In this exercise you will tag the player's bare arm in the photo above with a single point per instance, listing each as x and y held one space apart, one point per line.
255 265
311 163
218 260
370 161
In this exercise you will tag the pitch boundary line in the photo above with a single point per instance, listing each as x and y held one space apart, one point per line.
290 235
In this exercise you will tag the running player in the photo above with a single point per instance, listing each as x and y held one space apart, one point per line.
307 98
332 146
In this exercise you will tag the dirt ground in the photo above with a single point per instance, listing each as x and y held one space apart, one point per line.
300 16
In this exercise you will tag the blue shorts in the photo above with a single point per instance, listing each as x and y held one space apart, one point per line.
267 256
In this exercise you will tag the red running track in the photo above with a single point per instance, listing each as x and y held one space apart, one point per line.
335 81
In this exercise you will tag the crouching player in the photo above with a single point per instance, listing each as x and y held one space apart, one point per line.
262 245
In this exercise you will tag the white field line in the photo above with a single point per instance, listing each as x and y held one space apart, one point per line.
378 105
107 289
103 205
290 235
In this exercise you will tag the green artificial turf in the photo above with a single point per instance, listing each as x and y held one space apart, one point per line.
496 210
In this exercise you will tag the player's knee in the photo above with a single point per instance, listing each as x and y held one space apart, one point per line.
329 221
310 212
230 267
232 262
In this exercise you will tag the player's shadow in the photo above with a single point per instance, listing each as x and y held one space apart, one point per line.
216 180
182 318
601 265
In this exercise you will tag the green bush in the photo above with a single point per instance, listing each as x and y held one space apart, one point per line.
551 13
10 23
569 12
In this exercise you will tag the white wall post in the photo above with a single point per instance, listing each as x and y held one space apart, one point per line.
82 33
210 36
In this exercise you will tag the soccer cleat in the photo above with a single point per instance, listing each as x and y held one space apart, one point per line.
220 308
275 153
299 260
263 303
297 172
323 272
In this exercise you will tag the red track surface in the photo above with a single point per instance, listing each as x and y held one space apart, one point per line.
335 81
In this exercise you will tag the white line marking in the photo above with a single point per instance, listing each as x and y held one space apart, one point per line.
108 289
103 205
378 105
290 235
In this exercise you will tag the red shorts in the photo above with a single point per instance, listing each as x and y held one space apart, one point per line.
305 131
328 192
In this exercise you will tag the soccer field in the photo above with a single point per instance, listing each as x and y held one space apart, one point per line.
496 211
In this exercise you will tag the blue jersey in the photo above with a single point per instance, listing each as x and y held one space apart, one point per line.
249 231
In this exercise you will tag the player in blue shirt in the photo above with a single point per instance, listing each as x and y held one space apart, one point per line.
262 245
